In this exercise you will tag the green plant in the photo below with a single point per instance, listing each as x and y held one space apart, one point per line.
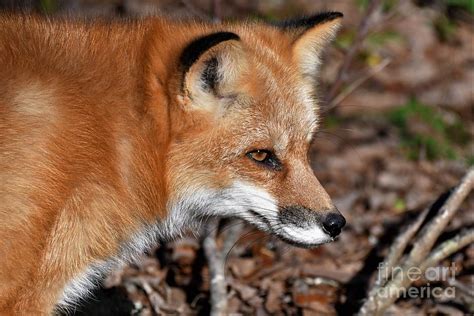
445 28
48 6
387 5
399 205
332 121
470 160
345 39
425 132
382 38
467 5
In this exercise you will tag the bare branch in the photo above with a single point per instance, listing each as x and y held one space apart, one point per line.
215 262
156 300
217 10
357 83
433 230
449 247
216 258
467 290
361 34
196 11
379 299
398 247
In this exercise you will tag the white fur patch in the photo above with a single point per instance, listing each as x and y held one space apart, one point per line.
310 103
81 286
36 100
242 199
234 201
310 236
249 197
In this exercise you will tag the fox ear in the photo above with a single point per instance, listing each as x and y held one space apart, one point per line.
312 35
212 66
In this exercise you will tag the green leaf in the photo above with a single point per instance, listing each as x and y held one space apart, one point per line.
48 6
467 5
423 130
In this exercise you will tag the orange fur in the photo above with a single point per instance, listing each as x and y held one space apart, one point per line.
97 139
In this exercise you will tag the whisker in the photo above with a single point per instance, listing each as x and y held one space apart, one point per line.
252 242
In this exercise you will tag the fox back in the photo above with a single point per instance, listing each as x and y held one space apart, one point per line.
114 135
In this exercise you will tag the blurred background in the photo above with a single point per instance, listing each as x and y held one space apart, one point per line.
397 100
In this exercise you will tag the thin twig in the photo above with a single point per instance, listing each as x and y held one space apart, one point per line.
362 31
216 10
380 299
156 300
215 261
357 83
196 11
433 230
449 247
467 290
398 247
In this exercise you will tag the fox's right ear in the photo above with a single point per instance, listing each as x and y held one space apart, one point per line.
211 67
310 36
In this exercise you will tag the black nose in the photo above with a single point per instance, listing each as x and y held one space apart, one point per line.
333 224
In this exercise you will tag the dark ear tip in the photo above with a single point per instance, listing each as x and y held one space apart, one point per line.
336 15
310 21
199 46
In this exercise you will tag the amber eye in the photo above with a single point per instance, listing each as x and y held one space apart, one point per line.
265 158
259 155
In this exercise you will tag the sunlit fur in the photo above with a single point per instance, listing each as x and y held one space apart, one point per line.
106 148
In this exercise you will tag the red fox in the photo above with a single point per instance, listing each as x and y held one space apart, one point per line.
114 135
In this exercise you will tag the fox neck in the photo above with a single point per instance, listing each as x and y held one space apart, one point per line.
159 120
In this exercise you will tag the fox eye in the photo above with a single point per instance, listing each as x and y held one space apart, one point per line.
259 155
265 157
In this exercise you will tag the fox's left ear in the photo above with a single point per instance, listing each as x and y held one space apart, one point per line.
311 35
212 67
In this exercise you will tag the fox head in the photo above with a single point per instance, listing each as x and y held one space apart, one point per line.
243 111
